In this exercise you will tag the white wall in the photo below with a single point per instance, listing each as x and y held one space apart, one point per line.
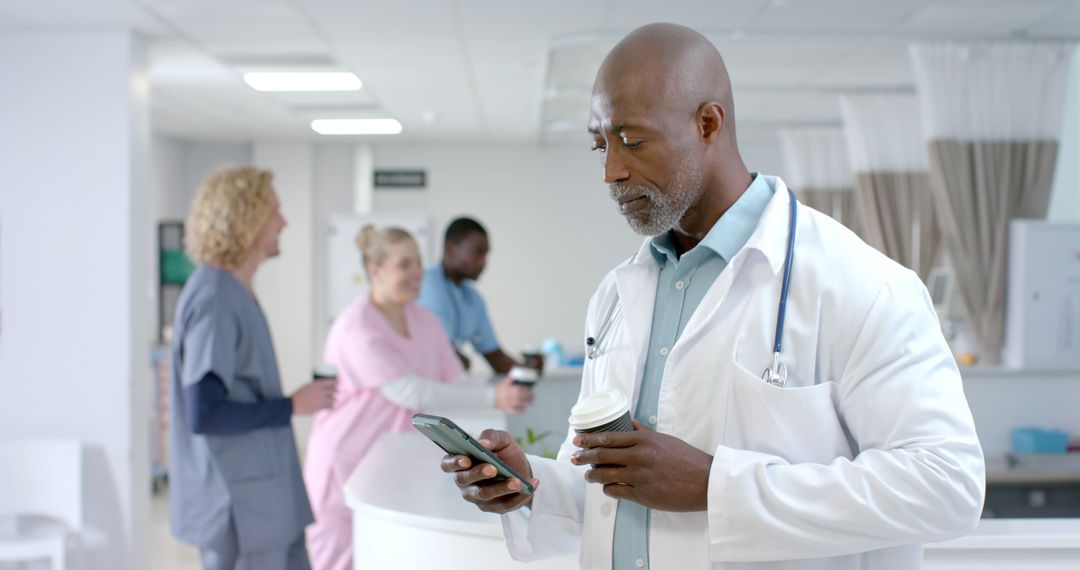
1065 194
76 218
1005 399
333 179
554 232
180 167
284 284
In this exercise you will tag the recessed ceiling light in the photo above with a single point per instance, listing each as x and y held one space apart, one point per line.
356 126
303 81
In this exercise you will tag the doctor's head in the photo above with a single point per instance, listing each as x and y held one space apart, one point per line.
391 259
235 218
662 120
466 248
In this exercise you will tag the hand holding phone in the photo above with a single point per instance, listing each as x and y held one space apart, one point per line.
492 473
455 441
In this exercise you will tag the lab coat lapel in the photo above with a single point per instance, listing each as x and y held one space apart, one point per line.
767 241
636 284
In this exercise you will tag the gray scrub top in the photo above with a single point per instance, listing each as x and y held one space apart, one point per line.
253 477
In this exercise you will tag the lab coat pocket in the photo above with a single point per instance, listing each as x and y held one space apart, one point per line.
799 424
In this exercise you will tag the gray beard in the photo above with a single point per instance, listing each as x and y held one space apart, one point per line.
665 209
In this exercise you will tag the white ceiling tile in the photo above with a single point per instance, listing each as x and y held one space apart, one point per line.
324 99
884 65
774 107
489 68
511 24
70 14
231 29
753 51
1065 22
176 62
985 18
703 15
823 16
389 31
574 64
7 20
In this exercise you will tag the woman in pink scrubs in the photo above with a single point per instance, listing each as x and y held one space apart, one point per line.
393 359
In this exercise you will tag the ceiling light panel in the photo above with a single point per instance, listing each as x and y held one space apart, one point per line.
356 126
302 81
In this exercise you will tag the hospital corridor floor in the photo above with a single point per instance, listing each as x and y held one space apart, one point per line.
169 553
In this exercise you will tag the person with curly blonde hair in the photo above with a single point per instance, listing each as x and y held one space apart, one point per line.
236 490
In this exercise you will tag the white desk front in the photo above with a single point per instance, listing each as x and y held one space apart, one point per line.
408 514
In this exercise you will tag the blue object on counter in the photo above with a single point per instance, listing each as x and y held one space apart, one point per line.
553 353
1037 440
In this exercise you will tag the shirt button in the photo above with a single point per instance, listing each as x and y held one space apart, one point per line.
639 563
679 285
606 510
664 351
652 420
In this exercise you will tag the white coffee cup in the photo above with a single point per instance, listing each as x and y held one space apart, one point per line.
607 410
524 375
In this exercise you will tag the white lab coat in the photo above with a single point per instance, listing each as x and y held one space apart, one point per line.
868 452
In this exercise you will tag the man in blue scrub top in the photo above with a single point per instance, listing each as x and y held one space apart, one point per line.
446 292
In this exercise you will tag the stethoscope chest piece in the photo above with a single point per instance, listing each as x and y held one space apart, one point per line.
776 375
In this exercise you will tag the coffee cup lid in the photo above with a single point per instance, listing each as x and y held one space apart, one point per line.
598 409
524 374
325 371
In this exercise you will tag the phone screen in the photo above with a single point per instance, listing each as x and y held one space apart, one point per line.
455 441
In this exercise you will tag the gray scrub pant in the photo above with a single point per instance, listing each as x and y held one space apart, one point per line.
224 554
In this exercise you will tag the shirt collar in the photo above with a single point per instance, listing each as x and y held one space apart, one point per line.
730 232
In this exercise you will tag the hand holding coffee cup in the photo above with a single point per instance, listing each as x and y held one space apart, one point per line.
511 397
533 360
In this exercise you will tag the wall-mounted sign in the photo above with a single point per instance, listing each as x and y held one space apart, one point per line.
415 179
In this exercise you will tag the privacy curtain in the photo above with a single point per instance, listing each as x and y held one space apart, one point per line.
991 115
892 177
816 167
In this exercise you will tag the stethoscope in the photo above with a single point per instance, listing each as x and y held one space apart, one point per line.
775 374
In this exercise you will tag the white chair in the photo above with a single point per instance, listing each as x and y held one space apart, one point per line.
40 499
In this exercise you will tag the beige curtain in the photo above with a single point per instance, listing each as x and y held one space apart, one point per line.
979 187
839 203
817 169
896 210
992 115
892 177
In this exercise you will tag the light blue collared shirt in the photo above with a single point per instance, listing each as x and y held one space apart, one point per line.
460 308
680 288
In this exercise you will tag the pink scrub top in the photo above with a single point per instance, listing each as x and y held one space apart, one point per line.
369 353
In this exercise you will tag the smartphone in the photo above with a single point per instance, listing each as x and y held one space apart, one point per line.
453 440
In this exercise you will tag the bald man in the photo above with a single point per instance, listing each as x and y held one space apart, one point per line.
859 449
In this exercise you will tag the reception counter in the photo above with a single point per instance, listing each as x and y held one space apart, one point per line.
408 514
